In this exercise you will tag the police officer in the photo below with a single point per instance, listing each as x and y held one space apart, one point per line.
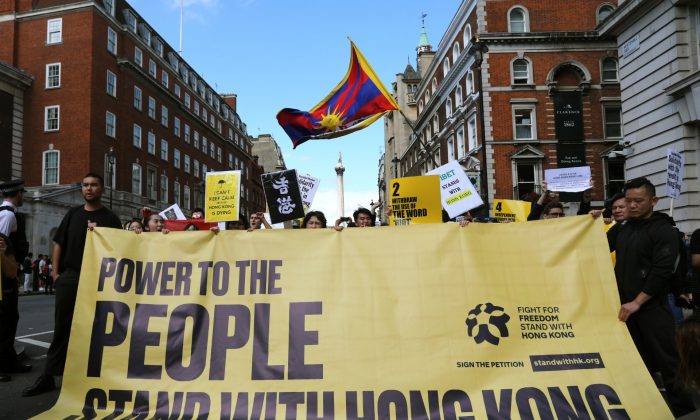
12 227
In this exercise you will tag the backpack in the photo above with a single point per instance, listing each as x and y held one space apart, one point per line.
18 237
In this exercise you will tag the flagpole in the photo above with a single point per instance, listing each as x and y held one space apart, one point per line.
181 6
421 142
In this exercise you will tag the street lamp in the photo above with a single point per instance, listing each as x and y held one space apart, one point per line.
111 159
478 48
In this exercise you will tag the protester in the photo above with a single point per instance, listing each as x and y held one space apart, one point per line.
647 248
48 280
539 207
553 210
153 223
257 221
135 226
27 272
314 220
688 343
618 208
197 213
240 224
69 244
36 280
362 217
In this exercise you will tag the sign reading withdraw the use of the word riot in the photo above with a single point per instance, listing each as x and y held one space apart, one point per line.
415 200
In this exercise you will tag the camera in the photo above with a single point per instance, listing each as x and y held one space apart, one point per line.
345 219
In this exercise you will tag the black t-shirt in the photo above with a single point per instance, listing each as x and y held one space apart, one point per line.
8 284
70 235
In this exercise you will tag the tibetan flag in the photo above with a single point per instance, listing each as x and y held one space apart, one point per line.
359 100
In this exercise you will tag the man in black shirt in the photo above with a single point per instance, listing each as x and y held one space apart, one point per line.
67 258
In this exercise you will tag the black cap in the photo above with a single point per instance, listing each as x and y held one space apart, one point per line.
12 186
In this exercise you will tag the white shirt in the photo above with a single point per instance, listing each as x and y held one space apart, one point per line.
8 221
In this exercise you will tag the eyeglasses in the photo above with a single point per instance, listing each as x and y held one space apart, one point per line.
555 214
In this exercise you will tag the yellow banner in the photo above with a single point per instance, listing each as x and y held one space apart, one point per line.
431 320
415 200
511 210
222 196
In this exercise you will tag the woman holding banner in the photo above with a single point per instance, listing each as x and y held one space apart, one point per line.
314 220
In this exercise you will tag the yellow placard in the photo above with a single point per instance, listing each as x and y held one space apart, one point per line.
415 200
439 321
222 196
511 210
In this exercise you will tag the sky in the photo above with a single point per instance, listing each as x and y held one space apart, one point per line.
291 54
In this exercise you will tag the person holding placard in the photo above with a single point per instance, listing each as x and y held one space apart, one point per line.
538 207
314 220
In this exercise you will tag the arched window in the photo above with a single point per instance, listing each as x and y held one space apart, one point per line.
467 35
470 83
448 108
434 85
446 67
604 11
420 106
458 96
50 167
609 70
521 72
517 20
455 52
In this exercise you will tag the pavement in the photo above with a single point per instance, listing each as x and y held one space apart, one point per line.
34 334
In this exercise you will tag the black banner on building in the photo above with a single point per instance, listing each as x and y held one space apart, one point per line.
570 155
283 196
568 116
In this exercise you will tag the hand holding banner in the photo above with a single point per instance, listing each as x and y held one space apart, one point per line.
415 200
283 196
222 196
457 193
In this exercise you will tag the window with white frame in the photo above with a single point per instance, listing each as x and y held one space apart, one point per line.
177 90
164 115
111 84
186 197
111 41
53 76
218 153
196 139
51 117
420 106
54 31
152 70
187 133
186 164
460 143
523 123
204 169
195 168
187 100
205 145
230 160
436 124
455 52
176 192
136 178
211 121
138 97
471 132
435 85
151 175
111 125
164 78
164 188
604 11
230 133
458 96
164 149
526 174
467 35
158 47
176 126
204 114
176 157
131 21
609 70
212 150
446 66
151 107
151 143
218 126
612 115
470 83
517 20
521 72
109 6
138 56
50 167
196 108
450 148
448 108
614 175
137 136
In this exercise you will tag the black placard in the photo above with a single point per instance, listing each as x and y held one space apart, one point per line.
283 196
568 116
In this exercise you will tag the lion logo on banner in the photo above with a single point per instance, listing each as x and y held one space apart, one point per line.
487 322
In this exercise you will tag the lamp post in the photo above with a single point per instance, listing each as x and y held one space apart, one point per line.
478 48
111 159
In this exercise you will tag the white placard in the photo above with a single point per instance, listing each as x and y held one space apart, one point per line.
173 213
457 193
674 173
308 186
574 179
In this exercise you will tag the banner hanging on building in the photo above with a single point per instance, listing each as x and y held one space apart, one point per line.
222 196
568 116
311 323
415 200
283 196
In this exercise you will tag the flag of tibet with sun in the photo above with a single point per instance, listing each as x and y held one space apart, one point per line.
359 100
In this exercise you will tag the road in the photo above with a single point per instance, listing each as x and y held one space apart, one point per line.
34 335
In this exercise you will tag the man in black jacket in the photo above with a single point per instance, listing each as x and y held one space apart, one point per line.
647 254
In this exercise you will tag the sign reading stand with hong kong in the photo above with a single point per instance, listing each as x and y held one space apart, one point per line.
422 322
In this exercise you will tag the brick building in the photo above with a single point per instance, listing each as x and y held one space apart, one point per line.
545 95
109 95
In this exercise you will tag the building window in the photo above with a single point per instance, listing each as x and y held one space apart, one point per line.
151 180
151 107
110 171
137 97
460 143
186 196
109 6
196 139
523 123
187 100
609 66
51 117
111 84
230 160
151 143
137 136
604 11
467 35
448 108
54 31
131 22
458 96
186 166
451 148
136 178
111 41
138 56
164 115
165 79
455 52
53 75
521 72
205 145
435 85
152 68
158 47
204 170
471 132
614 175
613 121
218 154
196 108
218 126
211 150
176 158
187 133
445 67
204 114
470 83
177 90
211 121
50 167
176 126
436 124
196 168
111 125
176 192
517 20
163 149
526 174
